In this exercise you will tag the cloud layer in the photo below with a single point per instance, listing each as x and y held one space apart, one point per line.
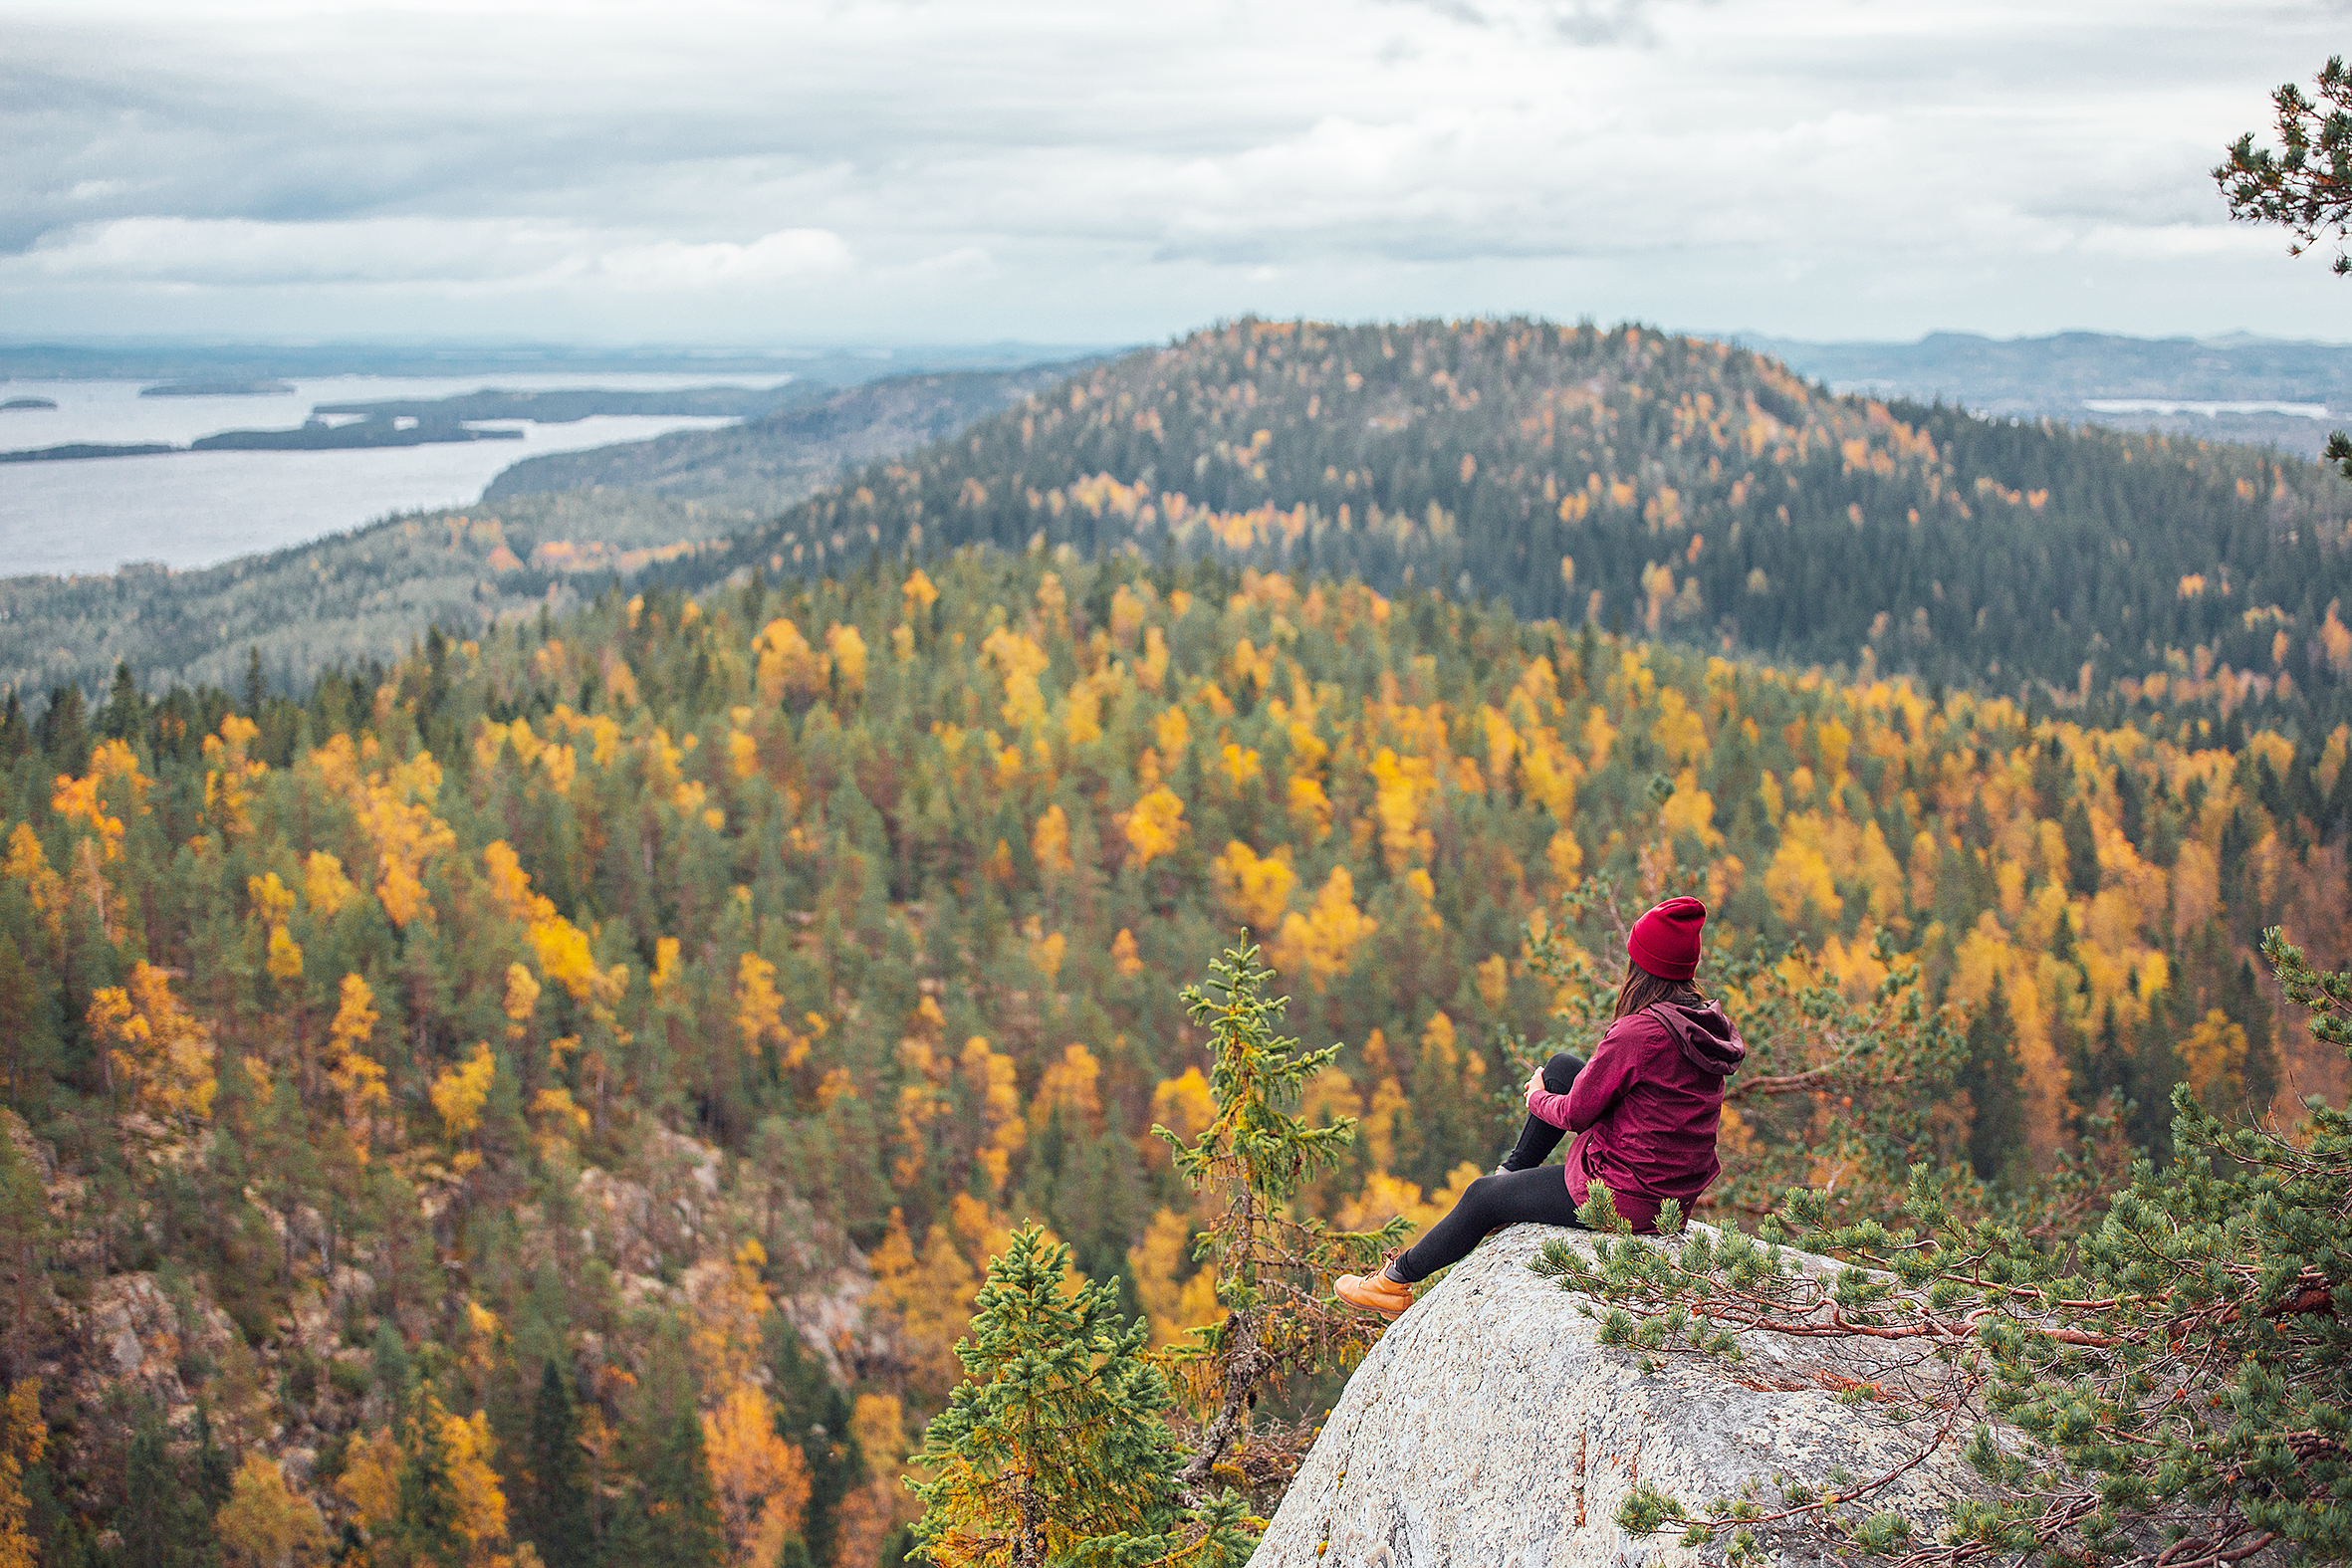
789 172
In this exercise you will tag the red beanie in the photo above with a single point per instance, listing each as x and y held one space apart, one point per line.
1665 942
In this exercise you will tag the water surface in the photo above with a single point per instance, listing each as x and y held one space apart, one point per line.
196 509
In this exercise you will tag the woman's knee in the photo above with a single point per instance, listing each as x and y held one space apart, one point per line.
1481 1195
1559 1073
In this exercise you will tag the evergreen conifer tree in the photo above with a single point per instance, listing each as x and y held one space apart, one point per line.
1274 1270
425 1530
814 1413
669 1517
163 1522
551 1509
2082 849
24 1234
125 714
1057 1449
1994 1085
216 1468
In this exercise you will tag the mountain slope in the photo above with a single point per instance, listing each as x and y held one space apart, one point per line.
582 995
1664 484
549 523
772 461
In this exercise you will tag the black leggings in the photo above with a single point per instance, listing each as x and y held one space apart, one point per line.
1526 1192
1538 1138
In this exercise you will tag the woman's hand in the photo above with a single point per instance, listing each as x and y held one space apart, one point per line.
1535 1082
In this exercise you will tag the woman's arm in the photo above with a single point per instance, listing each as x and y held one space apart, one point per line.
1599 1086
1544 1105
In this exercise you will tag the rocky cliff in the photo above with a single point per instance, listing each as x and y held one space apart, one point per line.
1490 1429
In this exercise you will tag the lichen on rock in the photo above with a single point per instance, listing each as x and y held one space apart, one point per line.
1490 1429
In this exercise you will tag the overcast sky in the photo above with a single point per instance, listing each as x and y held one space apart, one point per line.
785 172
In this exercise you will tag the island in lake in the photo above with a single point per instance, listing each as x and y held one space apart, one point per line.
563 407
81 449
27 403
320 436
316 436
218 389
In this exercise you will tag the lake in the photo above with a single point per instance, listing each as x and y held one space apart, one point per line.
196 509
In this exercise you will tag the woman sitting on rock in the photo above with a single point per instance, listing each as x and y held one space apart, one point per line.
1644 1110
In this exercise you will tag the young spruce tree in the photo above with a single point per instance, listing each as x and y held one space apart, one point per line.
1274 1270
669 1517
1057 1450
552 1510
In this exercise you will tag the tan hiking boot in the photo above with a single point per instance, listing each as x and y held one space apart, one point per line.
1377 1293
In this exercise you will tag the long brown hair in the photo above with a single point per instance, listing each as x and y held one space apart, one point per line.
1643 989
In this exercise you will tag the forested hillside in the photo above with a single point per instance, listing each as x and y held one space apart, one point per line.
346 601
763 465
1657 483
370 594
574 1082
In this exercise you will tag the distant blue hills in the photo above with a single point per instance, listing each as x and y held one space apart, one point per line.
2053 376
133 359
2059 375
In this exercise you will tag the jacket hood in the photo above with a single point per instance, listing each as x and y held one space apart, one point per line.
1705 1035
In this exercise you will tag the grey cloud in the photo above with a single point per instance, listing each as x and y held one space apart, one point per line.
1597 22
1452 10
1086 156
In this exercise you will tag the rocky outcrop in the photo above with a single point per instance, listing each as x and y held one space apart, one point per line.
668 1226
133 1333
1490 1429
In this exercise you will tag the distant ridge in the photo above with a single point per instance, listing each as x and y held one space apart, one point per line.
770 462
1641 480
2054 376
158 359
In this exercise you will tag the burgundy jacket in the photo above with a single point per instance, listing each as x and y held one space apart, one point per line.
1646 1107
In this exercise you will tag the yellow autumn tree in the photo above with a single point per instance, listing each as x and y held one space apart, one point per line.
1321 944
930 1292
2215 1055
522 1000
1154 828
458 1094
758 1012
784 663
729 1303
24 1438
357 1078
371 1483
396 809
762 1480
992 1080
1070 1085
266 1523
1256 889
155 1049
112 790
1175 1306
1049 843
847 653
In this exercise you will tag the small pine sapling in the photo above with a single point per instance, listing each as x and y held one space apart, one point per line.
1274 1268
1057 1450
